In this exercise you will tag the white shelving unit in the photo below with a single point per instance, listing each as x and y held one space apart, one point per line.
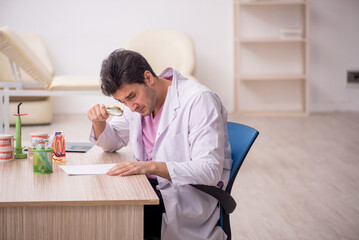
271 69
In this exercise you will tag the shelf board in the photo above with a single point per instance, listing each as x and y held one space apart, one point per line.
284 92
265 77
271 3
271 40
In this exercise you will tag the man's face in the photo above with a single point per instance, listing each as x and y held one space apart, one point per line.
139 98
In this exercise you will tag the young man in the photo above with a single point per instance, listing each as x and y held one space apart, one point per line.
177 129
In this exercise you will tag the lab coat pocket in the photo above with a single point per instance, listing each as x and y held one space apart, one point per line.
194 204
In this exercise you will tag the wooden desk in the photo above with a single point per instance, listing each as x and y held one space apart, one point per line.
58 206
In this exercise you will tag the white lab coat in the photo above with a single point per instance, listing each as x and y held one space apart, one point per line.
192 140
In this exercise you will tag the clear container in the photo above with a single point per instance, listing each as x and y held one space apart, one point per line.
42 161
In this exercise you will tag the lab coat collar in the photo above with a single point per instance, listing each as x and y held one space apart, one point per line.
167 73
171 103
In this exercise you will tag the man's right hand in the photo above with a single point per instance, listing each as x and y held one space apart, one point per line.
98 115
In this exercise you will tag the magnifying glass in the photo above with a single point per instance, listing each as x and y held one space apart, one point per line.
114 110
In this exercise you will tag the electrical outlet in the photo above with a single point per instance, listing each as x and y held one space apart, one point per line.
353 77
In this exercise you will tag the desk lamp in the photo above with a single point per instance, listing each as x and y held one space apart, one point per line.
18 148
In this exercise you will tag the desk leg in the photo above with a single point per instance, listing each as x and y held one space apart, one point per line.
72 222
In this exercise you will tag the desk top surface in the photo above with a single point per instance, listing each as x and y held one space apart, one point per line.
19 186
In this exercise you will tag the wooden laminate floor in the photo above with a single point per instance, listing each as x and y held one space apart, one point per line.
299 181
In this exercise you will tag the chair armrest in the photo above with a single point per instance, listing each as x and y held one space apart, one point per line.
225 199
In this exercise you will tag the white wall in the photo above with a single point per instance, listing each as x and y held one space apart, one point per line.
334 47
79 34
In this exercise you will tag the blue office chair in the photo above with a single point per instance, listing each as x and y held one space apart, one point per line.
241 138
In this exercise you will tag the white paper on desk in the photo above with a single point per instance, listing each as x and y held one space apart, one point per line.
86 169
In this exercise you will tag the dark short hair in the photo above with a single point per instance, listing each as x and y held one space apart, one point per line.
122 67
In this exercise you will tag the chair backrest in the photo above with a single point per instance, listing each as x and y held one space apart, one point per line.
165 48
241 138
